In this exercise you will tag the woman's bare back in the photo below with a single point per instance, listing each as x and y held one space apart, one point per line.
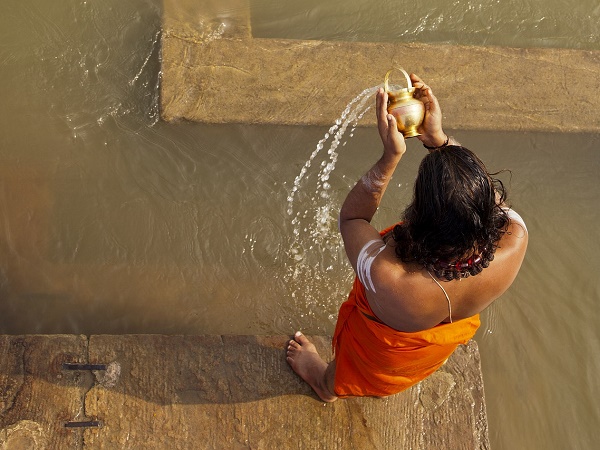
408 298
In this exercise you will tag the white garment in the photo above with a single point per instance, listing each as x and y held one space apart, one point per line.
515 217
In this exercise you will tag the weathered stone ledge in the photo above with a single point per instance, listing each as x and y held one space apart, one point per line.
227 76
216 392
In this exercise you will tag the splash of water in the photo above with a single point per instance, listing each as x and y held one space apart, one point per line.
316 243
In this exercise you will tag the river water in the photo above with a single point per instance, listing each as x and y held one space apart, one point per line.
112 221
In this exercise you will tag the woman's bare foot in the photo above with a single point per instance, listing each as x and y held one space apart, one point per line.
306 362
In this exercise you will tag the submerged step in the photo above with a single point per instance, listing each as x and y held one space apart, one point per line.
213 71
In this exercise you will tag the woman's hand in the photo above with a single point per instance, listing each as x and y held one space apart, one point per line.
393 141
431 131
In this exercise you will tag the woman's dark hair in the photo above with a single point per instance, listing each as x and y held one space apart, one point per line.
454 223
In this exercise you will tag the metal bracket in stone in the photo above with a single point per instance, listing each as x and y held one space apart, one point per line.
106 375
84 424
78 366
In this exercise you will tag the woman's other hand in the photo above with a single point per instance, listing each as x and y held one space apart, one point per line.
431 130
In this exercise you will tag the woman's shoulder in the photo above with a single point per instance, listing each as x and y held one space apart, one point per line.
514 241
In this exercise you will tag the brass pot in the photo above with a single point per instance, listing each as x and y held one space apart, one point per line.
407 110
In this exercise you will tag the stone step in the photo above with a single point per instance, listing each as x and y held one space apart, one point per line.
218 392
214 71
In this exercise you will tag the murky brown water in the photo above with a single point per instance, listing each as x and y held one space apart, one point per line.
513 23
114 222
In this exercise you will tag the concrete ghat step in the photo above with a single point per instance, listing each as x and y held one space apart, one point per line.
227 76
217 392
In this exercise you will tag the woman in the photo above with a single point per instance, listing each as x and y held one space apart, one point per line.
421 284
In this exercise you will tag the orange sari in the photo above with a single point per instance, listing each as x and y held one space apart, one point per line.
373 359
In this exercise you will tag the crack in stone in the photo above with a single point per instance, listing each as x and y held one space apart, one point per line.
89 384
